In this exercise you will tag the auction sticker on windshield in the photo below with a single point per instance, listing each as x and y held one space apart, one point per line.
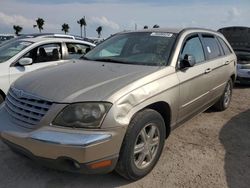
25 43
161 34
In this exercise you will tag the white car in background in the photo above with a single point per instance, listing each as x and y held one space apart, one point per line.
27 54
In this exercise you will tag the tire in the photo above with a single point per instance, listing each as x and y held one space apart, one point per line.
1 99
133 164
225 99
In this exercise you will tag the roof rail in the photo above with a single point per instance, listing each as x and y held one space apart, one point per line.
61 36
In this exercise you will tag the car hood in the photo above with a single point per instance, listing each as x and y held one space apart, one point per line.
81 80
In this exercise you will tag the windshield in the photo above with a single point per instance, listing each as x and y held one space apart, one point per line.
5 38
138 48
10 49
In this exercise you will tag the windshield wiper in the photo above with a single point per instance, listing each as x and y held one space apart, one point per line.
83 57
110 60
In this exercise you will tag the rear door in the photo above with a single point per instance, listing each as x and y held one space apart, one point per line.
229 62
217 65
194 80
42 56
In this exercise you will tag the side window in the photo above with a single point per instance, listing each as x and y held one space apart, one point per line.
211 47
193 47
76 50
225 47
45 53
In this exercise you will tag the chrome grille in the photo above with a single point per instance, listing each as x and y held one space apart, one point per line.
25 109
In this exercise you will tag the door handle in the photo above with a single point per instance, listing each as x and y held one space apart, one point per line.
227 62
208 71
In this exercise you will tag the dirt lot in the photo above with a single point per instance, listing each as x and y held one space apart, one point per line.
211 150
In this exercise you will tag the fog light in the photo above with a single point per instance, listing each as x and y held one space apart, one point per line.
101 164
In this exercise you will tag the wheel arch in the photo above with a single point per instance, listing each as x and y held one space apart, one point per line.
2 94
233 77
164 109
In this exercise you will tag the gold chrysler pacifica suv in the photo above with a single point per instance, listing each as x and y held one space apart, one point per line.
114 108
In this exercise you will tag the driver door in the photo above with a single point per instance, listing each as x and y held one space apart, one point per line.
194 90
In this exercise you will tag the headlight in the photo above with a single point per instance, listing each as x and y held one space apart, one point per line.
82 115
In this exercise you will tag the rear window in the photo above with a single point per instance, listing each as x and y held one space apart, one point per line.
211 47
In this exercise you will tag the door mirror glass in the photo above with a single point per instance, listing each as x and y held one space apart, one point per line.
187 61
25 61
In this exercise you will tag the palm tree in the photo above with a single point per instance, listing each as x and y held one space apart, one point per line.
145 27
156 26
83 23
99 31
39 24
65 28
17 29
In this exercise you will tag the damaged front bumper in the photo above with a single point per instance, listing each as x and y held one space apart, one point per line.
76 150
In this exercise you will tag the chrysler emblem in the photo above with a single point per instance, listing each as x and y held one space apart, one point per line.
18 93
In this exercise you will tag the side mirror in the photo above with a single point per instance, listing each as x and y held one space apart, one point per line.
25 61
187 61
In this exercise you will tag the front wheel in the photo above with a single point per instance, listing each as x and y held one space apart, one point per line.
225 99
142 145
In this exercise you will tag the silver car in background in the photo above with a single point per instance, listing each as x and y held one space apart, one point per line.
243 66
114 109
239 38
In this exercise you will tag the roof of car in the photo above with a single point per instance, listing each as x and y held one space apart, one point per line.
38 39
171 30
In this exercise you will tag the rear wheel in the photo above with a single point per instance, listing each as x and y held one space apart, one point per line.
225 99
142 145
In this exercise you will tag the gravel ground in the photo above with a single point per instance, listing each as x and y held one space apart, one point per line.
211 150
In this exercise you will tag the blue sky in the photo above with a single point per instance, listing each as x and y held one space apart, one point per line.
118 15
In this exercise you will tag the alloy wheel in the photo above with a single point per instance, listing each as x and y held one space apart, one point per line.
146 146
227 95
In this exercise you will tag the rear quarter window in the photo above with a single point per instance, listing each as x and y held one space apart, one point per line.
224 46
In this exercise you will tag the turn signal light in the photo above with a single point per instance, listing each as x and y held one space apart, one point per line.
101 164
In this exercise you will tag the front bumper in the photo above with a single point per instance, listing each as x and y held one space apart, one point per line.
65 163
68 149
243 76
